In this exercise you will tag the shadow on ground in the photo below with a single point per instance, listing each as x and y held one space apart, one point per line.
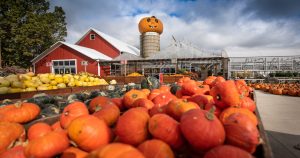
284 145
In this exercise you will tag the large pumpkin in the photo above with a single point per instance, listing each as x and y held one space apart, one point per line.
89 132
164 127
156 148
49 145
9 133
19 112
226 151
150 24
131 127
202 129
116 150
71 112
241 132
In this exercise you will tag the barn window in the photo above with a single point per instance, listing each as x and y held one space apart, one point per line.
64 66
92 36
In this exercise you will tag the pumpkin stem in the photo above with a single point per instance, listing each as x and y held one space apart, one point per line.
210 114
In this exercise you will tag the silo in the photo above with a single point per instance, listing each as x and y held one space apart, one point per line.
150 29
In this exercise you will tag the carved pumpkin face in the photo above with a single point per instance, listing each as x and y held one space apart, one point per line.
150 24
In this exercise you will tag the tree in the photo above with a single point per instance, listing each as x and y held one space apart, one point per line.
27 28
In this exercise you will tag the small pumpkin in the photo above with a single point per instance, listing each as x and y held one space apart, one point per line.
72 111
248 103
202 129
226 151
201 100
89 132
116 150
165 128
51 144
38 130
119 103
150 24
227 112
143 102
156 148
163 99
209 80
98 102
154 93
132 96
177 107
20 112
109 113
131 127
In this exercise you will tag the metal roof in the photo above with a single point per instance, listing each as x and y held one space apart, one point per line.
91 53
120 45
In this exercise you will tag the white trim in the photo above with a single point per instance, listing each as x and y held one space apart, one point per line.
92 34
52 69
99 69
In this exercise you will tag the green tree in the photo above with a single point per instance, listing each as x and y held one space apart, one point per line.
27 28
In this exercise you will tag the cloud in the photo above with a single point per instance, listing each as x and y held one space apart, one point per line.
246 25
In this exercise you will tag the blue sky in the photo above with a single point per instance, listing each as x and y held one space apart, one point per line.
241 27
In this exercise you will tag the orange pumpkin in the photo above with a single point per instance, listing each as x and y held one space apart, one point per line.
38 130
15 152
143 102
209 80
177 107
116 150
89 132
154 93
227 112
119 103
156 148
131 127
98 102
201 100
132 96
71 112
73 152
51 144
150 24
146 91
9 133
165 128
226 151
241 132
163 99
164 88
109 113
19 112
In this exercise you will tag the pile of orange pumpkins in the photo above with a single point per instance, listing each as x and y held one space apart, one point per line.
211 119
291 89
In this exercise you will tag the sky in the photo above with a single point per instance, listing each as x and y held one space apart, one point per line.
240 27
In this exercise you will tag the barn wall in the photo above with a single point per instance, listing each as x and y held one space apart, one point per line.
100 45
63 52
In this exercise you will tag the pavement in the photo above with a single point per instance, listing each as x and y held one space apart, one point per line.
280 116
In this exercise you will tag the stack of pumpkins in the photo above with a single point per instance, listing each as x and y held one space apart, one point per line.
47 81
207 119
291 89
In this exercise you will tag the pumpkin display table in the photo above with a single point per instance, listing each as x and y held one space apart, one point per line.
196 119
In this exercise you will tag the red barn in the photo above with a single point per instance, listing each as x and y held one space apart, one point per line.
84 56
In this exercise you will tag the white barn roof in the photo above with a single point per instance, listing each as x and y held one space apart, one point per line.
91 53
121 46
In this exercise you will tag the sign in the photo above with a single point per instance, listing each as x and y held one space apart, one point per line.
85 63
48 64
161 78
123 61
